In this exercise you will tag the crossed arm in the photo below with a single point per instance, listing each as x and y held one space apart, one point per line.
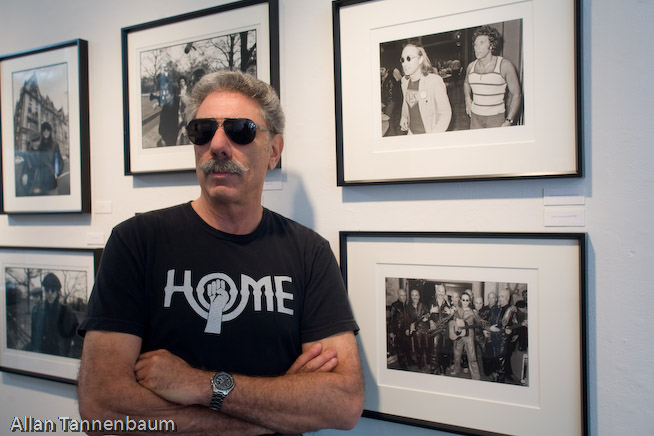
322 389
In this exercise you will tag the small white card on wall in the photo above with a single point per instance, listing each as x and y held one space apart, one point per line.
561 197
565 217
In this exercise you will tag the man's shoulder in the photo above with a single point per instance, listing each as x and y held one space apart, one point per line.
277 219
168 217
433 78
278 224
506 66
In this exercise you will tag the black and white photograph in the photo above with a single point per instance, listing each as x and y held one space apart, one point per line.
165 58
168 75
44 308
45 142
44 293
466 329
455 91
41 139
460 330
457 80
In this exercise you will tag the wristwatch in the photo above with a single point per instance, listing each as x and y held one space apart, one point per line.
221 385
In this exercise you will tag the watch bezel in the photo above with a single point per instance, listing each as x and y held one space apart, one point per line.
222 382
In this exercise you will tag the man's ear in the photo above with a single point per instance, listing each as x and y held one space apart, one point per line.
276 147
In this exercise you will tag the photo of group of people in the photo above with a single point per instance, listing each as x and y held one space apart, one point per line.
168 75
473 330
43 308
457 80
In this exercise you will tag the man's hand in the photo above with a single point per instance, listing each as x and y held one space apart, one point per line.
263 401
172 378
314 360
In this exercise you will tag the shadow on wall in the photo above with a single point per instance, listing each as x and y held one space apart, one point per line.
292 200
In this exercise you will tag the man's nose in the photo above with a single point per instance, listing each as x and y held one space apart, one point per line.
220 144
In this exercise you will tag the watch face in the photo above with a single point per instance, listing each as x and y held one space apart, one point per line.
223 381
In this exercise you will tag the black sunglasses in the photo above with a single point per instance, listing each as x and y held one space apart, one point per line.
240 130
408 58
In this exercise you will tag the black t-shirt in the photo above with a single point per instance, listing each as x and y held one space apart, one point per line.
272 290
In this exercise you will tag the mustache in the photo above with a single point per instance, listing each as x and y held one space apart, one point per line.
222 166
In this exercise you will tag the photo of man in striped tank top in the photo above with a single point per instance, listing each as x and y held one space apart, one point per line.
488 78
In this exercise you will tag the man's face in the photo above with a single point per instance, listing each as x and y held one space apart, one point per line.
455 299
383 72
257 157
482 46
479 303
411 60
492 299
505 297
402 296
415 296
51 295
440 292
465 301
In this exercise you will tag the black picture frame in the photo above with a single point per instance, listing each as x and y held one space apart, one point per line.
157 54
27 274
550 270
545 140
46 86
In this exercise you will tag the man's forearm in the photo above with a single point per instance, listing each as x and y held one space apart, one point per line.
297 403
514 106
108 390
141 405
322 389
302 401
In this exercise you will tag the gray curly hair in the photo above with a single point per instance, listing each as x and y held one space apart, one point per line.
245 84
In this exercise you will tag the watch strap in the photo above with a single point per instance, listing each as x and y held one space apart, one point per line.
217 401
220 391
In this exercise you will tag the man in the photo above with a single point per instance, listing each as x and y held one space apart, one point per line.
464 325
440 314
509 322
167 98
218 314
43 165
487 79
399 330
391 93
53 323
494 344
426 107
418 320
482 335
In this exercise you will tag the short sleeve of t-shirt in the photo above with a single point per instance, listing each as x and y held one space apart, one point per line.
327 309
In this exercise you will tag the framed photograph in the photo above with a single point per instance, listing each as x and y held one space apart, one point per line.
471 333
162 61
460 91
42 301
44 115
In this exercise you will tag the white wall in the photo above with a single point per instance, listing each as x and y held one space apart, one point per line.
618 95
